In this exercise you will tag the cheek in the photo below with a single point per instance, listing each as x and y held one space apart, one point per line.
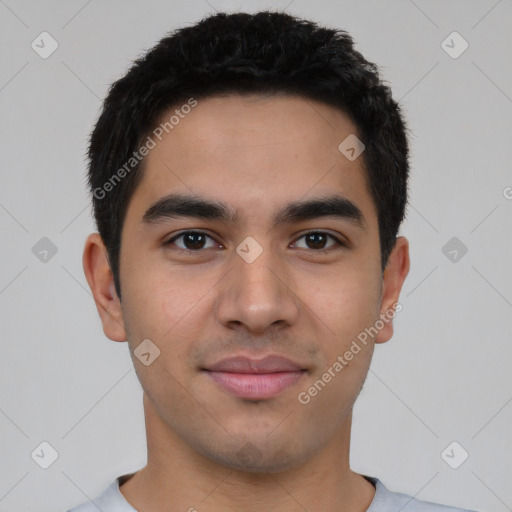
167 304
345 301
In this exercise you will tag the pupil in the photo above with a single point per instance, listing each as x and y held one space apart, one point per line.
317 240
193 240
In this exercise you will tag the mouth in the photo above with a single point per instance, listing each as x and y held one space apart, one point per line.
255 379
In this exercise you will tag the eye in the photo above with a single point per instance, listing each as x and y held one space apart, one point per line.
192 241
317 240
196 241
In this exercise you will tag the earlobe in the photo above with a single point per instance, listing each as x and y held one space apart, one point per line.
101 282
395 273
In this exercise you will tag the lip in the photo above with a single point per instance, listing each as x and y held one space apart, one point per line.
255 379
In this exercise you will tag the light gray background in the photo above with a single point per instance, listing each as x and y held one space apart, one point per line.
444 377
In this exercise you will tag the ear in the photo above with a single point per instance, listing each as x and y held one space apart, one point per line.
395 273
101 282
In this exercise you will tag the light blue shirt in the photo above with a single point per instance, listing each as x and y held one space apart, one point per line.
112 500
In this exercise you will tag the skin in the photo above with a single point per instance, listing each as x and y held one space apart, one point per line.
255 154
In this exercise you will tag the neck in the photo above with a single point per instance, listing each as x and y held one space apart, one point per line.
178 478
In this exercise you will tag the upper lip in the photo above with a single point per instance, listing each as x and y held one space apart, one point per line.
268 364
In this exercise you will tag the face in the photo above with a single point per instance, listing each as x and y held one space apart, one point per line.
253 299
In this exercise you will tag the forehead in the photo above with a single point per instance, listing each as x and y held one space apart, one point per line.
253 152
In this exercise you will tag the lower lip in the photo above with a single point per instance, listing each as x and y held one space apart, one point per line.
255 386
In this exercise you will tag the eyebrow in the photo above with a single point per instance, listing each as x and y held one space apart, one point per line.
178 206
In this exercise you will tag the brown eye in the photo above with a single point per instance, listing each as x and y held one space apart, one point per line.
317 240
191 241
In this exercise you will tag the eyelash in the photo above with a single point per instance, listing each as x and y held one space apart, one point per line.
339 243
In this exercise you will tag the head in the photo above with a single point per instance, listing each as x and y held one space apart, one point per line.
233 221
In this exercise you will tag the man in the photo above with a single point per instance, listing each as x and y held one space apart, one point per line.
249 177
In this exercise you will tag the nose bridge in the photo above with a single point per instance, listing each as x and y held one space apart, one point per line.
257 292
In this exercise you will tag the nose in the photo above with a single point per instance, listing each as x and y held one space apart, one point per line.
257 296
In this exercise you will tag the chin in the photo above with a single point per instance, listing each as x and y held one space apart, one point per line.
260 458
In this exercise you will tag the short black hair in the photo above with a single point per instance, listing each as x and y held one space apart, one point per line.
240 53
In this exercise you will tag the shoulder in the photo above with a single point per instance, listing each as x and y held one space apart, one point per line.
109 500
388 501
